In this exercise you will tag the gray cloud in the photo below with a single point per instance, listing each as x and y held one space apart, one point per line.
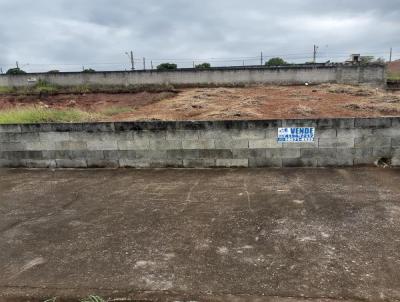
100 31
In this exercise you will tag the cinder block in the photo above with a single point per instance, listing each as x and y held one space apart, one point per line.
9 163
183 154
84 136
4 138
265 162
10 128
39 146
299 123
39 164
182 135
72 154
354 133
198 144
102 145
102 163
264 144
282 153
231 163
249 153
299 162
165 144
389 132
369 161
370 142
23 137
396 122
247 134
136 144
21 155
133 163
383 152
70 145
150 135
215 153
319 153
231 144
71 163
166 163
150 154
300 145
325 133
334 162
354 152
54 136
373 122
395 142
111 154
338 123
336 143
12 146
199 163
215 134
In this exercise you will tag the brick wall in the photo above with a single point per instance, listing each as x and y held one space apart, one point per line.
338 142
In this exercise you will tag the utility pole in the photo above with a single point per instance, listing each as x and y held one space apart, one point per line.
262 59
144 63
130 56
1 70
193 64
390 57
16 63
151 62
315 54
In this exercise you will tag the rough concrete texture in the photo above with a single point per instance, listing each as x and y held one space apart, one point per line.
201 235
200 144
374 74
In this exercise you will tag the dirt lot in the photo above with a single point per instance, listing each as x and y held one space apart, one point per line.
259 102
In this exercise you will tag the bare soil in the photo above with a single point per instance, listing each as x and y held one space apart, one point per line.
258 102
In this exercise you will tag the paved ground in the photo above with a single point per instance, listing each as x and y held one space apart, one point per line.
201 235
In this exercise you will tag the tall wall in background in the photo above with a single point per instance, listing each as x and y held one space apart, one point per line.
373 74
338 142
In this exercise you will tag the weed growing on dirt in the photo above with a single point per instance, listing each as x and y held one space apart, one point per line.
6 90
115 110
92 298
43 115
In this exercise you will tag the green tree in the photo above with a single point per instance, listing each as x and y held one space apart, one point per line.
88 70
167 66
53 71
203 66
15 71
275 62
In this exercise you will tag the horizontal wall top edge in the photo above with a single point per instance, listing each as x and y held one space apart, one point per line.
322 123
231 68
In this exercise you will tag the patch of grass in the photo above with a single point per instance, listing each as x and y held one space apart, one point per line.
43 115
394 76
115 110
5 90
93 298
44 87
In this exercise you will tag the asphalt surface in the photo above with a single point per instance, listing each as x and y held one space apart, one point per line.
201 235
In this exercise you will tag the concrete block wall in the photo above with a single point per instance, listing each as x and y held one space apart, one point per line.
338 142
373 74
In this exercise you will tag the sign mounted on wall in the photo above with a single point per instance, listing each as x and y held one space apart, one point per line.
296 135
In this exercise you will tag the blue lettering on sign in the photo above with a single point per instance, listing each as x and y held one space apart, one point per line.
296 135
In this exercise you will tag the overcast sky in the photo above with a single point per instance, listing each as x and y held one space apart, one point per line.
94 33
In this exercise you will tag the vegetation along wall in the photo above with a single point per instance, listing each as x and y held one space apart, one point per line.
263 143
